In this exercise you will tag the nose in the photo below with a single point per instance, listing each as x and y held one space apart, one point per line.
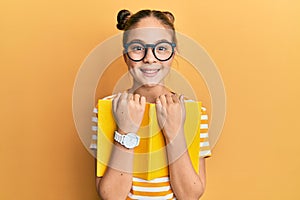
149 57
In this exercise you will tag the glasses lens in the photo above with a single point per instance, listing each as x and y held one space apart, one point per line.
163 50
136 51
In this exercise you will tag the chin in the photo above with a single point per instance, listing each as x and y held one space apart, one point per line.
151 84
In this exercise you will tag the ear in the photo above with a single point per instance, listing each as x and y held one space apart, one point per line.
126 59
124 56
175 51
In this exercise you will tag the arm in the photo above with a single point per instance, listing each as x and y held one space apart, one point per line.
185 182
116 182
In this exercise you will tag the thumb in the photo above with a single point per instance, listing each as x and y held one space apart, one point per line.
181 99
158 102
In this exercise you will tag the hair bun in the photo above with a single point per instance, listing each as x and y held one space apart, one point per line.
170 16
122 18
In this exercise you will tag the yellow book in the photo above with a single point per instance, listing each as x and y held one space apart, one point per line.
150 160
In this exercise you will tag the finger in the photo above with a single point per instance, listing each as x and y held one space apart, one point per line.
163 100
130 97
157 101
143 101
137 97
115 101
158 104
175 98
169 99
124 96
181 98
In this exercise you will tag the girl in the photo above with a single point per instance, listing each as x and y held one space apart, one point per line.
149 42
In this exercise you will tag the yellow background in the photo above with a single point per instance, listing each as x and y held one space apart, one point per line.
254 43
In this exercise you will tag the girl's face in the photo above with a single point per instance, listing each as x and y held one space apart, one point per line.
149 70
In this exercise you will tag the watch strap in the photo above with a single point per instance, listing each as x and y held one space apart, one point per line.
127 140
119 137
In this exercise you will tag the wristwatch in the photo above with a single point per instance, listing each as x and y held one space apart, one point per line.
130 140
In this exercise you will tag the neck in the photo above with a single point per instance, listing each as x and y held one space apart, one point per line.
150 92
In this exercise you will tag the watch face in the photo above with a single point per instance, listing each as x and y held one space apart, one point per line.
131 140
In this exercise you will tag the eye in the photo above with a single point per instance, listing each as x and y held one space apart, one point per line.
163 47
136 47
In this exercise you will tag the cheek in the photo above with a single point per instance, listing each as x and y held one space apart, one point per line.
168 64
131 64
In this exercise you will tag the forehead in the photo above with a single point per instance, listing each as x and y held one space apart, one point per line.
149 30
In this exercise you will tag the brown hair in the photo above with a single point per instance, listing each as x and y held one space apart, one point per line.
127 21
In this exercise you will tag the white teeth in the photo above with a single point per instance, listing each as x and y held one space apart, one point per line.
149 70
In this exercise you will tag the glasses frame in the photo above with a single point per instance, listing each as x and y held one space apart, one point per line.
152 46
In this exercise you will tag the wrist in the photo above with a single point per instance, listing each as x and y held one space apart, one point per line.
122 132
171 135
122 147
127 130
176 148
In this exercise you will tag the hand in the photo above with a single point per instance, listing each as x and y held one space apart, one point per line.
170 111
128 111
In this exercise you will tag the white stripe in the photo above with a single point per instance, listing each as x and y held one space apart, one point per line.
95 128
204 117
204 126
205 153
93 146
132 196
203 108
203 135
94 119
109 97
156 180
95 110
151 189
94 137
204 144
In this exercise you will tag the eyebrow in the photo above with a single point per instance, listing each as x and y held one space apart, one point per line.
143 42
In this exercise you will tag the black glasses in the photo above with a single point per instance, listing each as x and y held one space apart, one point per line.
137 51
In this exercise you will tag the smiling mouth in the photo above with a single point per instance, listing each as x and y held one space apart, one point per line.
150 72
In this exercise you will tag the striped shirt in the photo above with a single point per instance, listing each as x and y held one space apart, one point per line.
158 188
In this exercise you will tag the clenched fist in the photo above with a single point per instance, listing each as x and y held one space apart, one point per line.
170 111
128 111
